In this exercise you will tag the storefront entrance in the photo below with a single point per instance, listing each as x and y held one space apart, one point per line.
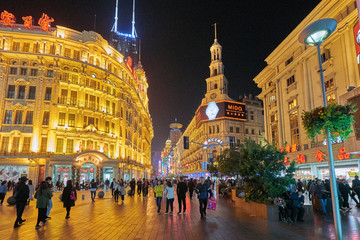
108 173
62 173
87 172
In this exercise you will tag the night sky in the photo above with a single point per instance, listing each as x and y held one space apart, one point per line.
176 37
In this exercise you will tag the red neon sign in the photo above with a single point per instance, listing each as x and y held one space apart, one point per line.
343 155
28 22
290 148
301 158
320 156
8 19
45 22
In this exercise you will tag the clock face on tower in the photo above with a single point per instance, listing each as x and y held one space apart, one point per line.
212 110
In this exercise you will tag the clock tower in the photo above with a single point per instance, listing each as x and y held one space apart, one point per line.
217 84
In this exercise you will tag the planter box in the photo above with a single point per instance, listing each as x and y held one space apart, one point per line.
267 212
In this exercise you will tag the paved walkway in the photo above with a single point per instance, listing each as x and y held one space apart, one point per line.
137 219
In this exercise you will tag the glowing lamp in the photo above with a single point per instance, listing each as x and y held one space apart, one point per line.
318 31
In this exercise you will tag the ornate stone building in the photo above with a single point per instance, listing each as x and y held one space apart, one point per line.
71 107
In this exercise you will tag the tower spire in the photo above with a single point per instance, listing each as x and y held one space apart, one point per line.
133 20
215 40
114 28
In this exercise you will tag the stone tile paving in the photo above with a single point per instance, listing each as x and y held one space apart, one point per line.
138 219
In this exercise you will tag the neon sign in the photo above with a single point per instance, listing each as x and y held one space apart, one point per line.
343 155
8 19
289 149
320 156
301 158
213 140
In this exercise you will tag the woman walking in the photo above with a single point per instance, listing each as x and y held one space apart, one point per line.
43 194
93 188
31 192
158 190
122 190
169 190
69 197
3 189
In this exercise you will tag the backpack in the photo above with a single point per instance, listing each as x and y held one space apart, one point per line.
72 195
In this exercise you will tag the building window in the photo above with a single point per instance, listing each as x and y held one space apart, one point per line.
60 145
107 126
16 46
294 128
63 97
26 47
67 52
217 129
252 131
246 131
290 80
8 117
61 119
11 91
251 117
46 118
231 129
73 98
48 94
15 144
325 55
23 71
29 117
112 127
32 92
52 49
237 130
26 144
21 92
274 134
18 116
292 104
238 142
13 71
77 55
69 145
331 98
272 98
71 120
33 72
273 117
50 73
329 84
43 144
5 144
36 47
287 62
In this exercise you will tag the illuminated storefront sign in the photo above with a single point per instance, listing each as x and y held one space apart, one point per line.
8 19
289 149
301 159
213 140
221 110
343 155
320 156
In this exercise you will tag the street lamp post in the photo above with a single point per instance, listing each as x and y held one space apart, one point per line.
313 35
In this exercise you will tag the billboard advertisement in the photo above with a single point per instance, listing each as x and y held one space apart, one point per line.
13 172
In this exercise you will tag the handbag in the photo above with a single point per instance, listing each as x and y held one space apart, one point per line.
72 195
212 204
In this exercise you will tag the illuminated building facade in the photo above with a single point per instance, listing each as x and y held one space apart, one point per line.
219 119
71 107
290 83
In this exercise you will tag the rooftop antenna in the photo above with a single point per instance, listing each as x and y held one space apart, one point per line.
114 28
133 20
95 23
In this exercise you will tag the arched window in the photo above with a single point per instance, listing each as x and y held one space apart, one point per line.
215 86
215 72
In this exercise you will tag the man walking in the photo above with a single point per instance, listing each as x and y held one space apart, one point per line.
203 190
21 195
181 193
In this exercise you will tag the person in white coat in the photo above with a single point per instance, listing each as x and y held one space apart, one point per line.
116 187
122 190
31 192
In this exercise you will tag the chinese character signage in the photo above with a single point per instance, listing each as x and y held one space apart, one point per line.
320 156
301 158
8 20
290 148
343 155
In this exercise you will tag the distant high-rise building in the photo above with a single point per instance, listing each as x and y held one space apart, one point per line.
125 43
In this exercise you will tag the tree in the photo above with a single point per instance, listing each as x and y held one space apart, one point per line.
228 162
263 171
